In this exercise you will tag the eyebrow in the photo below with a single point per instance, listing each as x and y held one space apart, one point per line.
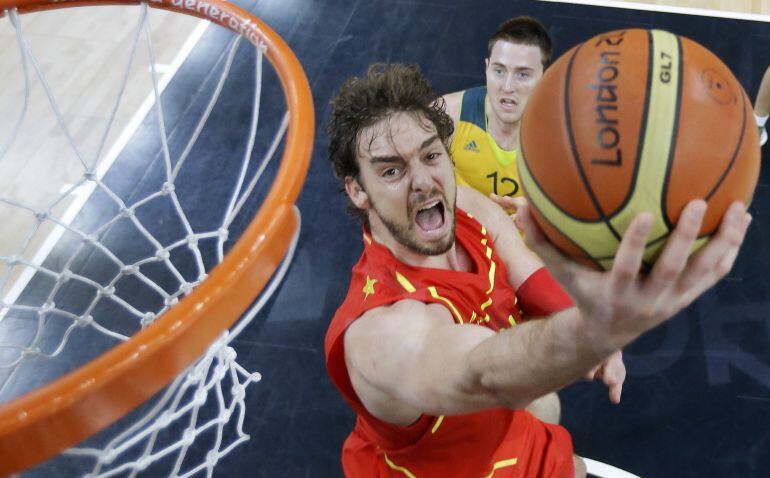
393 159
516 67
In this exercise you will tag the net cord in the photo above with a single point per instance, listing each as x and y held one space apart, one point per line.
161 251
23 113
160 416
235 204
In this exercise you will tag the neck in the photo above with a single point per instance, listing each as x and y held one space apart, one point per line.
506 135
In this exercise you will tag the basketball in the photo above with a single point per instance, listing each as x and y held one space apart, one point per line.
630 121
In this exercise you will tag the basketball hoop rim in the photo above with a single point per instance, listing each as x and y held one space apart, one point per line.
56 416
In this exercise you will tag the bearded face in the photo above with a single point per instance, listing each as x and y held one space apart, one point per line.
406 183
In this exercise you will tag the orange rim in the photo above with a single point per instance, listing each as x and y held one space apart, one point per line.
77 405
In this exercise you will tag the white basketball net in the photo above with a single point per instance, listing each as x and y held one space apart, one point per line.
181 419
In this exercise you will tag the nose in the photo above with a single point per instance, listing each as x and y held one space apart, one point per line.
509 82
422 180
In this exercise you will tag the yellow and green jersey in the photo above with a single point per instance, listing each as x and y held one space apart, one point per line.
479 162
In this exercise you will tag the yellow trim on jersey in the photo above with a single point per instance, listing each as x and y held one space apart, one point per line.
400 468
486 304
448 302
502 464
405 282
492 269
437 424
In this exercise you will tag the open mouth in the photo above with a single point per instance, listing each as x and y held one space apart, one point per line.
430 217
507 103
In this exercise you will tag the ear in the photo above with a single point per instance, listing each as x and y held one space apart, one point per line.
356 193
486 64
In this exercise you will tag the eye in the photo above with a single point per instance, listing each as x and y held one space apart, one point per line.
432 156
499 71
389 173
523 75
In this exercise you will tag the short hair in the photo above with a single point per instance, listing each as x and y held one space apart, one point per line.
386 89
526 31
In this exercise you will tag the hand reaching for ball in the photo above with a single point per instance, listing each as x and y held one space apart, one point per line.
619 305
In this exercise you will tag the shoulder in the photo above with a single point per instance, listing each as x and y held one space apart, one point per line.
489 214
520 261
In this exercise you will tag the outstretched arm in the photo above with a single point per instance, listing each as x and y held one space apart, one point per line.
410 358
612 371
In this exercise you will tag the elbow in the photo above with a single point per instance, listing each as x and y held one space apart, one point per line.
464 395
493 382
502 392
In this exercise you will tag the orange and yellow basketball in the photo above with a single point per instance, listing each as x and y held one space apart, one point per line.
630 121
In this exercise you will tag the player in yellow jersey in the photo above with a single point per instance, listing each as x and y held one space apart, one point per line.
487 118
486 135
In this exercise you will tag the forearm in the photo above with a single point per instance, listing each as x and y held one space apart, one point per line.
530 360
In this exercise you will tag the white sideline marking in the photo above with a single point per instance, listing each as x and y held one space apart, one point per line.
668 9
603 470
82 195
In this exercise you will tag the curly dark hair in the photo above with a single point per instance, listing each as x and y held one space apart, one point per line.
526 31
362 102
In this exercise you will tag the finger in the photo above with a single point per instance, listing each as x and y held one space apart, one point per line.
533 234
614 368
718 256
503 201
495 198
614 379
628 259
519 201
671 262
615 392
591 374
617 367
508 199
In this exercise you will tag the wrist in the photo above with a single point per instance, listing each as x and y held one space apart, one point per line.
540 295
574 335
604 332
596 334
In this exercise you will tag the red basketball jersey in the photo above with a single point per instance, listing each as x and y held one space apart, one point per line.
491 443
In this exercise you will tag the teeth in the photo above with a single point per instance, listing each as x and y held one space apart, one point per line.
428 206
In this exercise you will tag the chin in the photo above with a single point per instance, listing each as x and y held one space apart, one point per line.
435 248
511 117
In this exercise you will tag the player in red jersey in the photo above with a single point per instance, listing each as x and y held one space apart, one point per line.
431 347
